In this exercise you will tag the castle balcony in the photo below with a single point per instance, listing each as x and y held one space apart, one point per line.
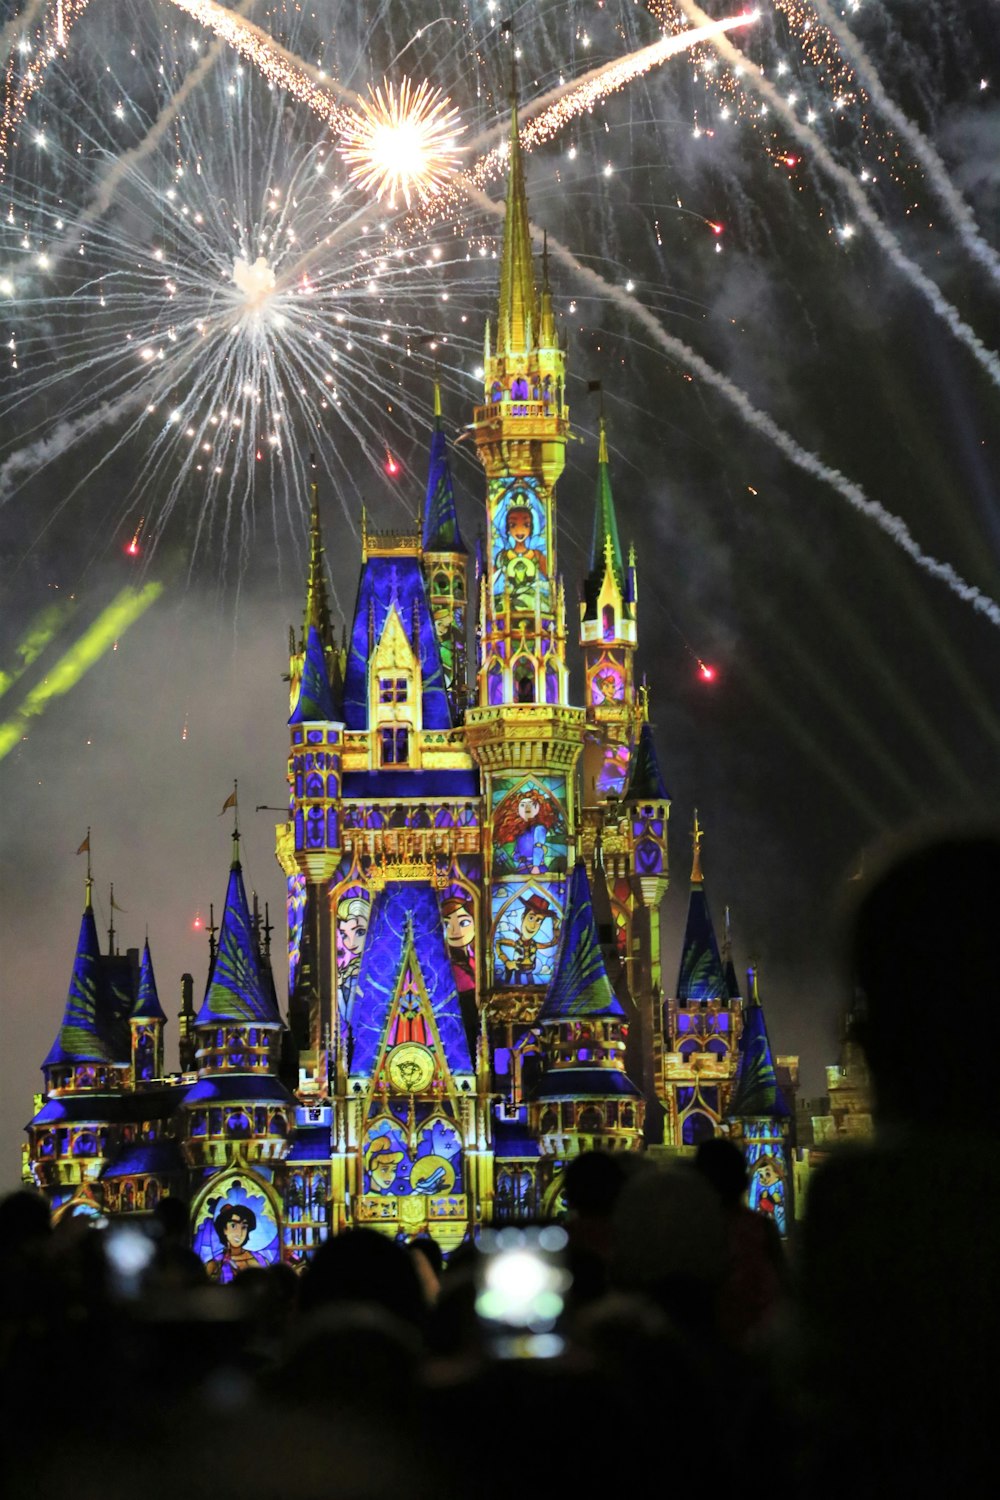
530 735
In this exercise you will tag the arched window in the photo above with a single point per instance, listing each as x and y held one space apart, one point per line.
496 392
591 1120
519 389
494 683
524 681
697 1127
608 621
395 745
551 684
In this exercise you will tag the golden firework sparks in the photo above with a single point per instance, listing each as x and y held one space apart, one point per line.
402 141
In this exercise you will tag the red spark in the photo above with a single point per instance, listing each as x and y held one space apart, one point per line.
716 228
706 672
791 161
132 548
391 466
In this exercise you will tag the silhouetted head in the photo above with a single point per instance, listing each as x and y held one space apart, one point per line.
363 1266
720 1162
592 1183
923 952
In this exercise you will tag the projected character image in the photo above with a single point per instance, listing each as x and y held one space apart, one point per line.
460 934
353 913
529 832
520 565
521 942
235 1231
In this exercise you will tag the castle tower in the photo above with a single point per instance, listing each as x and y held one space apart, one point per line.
146 1025
584 1099
700 1026
445 565
608 640
759 1116
308 845
523 734
238 1113
71 1138
637 897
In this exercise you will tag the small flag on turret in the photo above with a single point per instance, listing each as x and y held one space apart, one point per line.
229 802
85 846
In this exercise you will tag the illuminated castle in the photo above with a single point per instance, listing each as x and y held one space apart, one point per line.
475 870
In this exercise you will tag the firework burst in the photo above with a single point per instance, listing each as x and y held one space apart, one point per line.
402 142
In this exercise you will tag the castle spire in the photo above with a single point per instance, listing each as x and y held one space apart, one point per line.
757 1093
697 834
580 985
517 319
702 974
440 531
147 1002
235 989
315 702
89 1030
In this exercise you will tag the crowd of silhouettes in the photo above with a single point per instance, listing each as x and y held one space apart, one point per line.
694 1347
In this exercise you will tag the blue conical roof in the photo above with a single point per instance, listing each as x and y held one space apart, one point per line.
315 701
580 985
440 529
147 1005
757 1093
89 1032
645 781
702 975
235 990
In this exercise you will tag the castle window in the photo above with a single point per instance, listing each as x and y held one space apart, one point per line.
519 389
496 392
393 689
395 747
524 681
608 622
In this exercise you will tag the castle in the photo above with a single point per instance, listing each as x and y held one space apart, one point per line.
474 869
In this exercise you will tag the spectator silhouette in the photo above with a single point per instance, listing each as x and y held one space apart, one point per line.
752 1282
900 1309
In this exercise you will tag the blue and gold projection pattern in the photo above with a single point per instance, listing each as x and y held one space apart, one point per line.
235 990
580 984
236 1229
387 582
405 920
314 704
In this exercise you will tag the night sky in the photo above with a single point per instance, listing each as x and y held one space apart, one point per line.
854 693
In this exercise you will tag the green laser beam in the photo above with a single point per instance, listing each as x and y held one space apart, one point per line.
112 623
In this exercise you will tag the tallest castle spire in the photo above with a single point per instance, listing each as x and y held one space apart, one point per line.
517 318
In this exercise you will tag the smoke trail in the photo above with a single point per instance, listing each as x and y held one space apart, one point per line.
918 279
122 612
934 168
36 455
894 526
122 165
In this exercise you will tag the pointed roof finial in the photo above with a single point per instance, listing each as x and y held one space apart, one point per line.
437 402
439 528
235 805
85 849
111 922
697 834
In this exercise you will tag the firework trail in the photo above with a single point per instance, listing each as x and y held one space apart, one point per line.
934 168
892 525
880 231
544 117
121 166
272 60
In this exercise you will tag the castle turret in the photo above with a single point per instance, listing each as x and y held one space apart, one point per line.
700 1025
238 1107
584 1099
309 845
759 1115
445 565
146 1024
608 640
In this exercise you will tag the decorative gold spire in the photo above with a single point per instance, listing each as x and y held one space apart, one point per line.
517 320
602 443
696 837
437 401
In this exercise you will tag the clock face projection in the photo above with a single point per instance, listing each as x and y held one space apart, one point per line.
410 1067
